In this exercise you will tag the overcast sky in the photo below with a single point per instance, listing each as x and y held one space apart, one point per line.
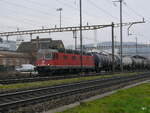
33 14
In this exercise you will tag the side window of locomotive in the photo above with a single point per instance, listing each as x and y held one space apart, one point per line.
65 57
55 56
48 56
74 57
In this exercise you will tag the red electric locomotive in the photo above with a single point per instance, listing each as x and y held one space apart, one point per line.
51 61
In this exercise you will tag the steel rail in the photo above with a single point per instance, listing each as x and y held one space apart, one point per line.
55 77
66 90
58 87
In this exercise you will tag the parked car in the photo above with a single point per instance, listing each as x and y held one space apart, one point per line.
26 68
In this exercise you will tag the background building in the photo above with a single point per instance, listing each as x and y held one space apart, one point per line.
7 45
34 45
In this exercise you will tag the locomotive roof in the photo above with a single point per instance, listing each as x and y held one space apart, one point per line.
65 51
74 51
48 50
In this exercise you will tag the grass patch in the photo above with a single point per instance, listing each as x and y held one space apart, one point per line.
133 100
56 82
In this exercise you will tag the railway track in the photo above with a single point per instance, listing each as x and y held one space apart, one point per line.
38 78
29 97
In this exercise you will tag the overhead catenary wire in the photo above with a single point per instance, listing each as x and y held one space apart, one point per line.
24 18
42 12
134 11
126 13
32 21
102 10
48 8
46 14
35 10
29 8
21 20
137 13
85 12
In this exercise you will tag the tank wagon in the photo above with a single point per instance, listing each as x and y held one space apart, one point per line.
140 62
103 62
127 62
61 60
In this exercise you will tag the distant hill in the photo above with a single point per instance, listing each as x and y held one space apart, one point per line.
104 44
109 44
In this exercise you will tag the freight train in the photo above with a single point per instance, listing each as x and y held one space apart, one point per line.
51 61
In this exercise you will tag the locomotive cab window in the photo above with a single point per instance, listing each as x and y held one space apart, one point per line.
48 56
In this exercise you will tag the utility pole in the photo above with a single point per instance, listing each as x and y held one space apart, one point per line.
121 36
31 37
143 21
18 35
113 58
75 37
7 38
133 23
95 38
136 45
60 9
81 45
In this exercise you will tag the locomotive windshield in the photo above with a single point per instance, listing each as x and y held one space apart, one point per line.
47 54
